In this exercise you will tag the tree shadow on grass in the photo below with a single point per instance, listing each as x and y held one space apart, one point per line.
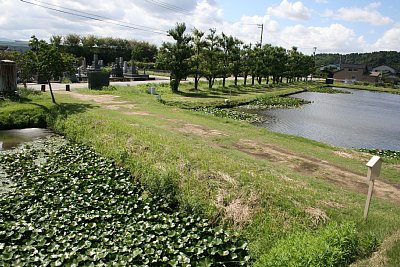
198 94
65 109
62 111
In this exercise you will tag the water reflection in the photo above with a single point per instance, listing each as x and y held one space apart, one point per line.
362 119
10 139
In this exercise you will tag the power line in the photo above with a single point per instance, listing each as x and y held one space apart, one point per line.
91 14
175 8
96 18
170 7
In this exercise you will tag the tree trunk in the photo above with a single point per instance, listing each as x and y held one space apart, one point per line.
196 82
245 79
51 93
174 83
268 79
259 80
252 79
210 83
223 82
236 79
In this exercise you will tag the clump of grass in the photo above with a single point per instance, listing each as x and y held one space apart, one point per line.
333 245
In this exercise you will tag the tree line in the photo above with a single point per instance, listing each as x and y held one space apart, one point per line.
374 59
213 55
107 48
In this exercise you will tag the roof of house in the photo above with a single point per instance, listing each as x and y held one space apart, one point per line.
384 68
375 74
353 66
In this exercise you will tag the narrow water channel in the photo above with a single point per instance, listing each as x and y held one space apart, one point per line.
362 119
10 139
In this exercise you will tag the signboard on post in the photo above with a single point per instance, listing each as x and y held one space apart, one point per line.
374 169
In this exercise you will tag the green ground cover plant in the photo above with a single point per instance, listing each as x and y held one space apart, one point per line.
70 206
386 154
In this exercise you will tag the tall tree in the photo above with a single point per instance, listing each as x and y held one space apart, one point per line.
212 57
198 45
175 56
246 60
49 61
226 43
235 58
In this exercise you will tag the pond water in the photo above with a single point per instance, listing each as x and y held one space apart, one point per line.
10 139
362 119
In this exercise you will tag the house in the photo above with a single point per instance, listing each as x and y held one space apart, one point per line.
355 72
387 73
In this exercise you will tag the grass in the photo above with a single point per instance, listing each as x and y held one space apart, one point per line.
217 166
369 87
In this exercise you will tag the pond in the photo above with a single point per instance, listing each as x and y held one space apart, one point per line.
362 119
10 139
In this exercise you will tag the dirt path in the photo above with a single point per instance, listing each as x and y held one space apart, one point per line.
319 168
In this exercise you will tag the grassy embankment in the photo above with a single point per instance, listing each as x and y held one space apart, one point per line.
368 87
274 188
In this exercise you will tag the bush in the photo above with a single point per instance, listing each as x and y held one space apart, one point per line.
334 245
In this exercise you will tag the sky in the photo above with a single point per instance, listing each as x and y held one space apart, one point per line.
325 25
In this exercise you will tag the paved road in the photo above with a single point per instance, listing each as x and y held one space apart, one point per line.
61 87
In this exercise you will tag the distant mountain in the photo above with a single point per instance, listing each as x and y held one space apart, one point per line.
6 39
374 59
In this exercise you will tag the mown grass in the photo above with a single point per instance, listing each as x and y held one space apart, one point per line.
196 160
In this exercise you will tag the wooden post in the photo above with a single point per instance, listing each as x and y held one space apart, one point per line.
374 169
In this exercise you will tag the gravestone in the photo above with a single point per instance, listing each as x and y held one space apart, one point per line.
8 77
117 69
97 78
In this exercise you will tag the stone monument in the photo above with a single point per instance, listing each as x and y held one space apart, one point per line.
8 77
96 77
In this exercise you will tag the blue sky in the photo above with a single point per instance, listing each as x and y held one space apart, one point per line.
331 26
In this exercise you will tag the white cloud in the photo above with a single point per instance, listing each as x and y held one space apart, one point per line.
19 21
367 14
321 1
286 9
390 41
335 38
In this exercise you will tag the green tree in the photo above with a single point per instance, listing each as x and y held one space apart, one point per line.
226 43
176 56
234 59
198 45
246 62
278 63
211 58
56 40
49 61
26 66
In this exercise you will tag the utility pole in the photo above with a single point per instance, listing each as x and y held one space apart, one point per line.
261 26
315 50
